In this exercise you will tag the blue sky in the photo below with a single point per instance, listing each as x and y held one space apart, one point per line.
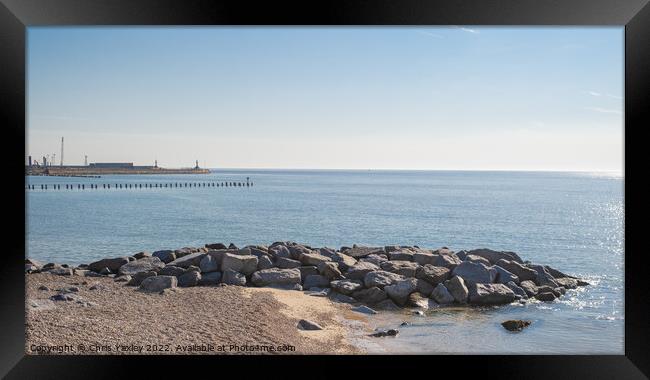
486 98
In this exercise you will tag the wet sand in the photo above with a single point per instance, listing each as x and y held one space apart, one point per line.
198 320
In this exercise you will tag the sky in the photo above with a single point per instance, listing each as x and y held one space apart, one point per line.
438 98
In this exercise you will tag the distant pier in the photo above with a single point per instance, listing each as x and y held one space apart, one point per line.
144 185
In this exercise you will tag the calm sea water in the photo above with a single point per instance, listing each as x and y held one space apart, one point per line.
572 221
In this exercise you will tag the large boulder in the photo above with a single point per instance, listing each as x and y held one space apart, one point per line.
490 294
360 251
401 255
529 287
141 255
370 296
306 271
494 256
246 264
264 262
359 270
415 299
216 246
313 259
316 281
190 278
330 270
405 268
517 290
448 261
188 260
278 251
504 276
524 273
432 274
567 282
211 278
458 289
478 259
375 259
474 273
346 286
424 287
137 278
208 264
170 270
144 264
231 277
344 261
381 278
158 283
113 265
276 276
424 258
286 263
442 295
400 291
165 255
543 276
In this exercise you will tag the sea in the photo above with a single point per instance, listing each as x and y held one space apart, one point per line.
572 221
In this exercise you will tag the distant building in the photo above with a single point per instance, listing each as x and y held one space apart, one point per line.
111 165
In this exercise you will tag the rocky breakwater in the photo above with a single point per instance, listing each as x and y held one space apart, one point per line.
383 278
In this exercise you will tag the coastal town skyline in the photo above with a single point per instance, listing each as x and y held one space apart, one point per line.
434 98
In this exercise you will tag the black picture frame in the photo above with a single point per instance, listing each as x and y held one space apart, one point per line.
17 15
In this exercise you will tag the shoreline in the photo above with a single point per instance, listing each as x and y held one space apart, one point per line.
282 298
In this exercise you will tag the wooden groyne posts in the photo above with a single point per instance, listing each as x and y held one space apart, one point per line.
154 185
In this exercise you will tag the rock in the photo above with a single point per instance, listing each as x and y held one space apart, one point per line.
474 273
35 263
415 299
66 297
529 287
187 260
105 271
344 261
70 289
567 282
424 258
359 270
404 324
560 289
185 251
346 286
387 305
276 276
405 268
296 250
145 264
319 292
341 298
113 265
166 255
364 310
208 264
545 296
141 255
432 274
583 283
316 280
477 259
381 278
210 278
313 259
556 273
424 288
360 251
515 325
457 288
245 264
231 277
400 291
43 287
418 312
280 251
448 261
370 296
441 295
61 271
97 287
170 270
401 255
258 251
490 294
543 277
325 251
494 256
264 262
49 266
306 271
137 278
462 254
518 270
285 263
82 272
504 276
391 332
189 278
375 259
517 290
304 324
216 246
330 270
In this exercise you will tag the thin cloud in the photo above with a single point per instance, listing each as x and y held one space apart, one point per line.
594 93
468 30
603 110
614 96
431 34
